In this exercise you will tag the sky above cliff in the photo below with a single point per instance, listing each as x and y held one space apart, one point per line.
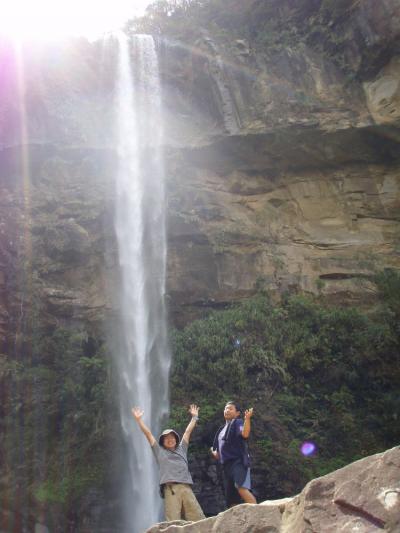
54 19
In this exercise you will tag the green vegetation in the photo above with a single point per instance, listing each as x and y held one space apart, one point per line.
270 26
329 375
325 374
56 423
186 19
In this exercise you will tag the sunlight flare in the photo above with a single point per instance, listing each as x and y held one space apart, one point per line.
46 20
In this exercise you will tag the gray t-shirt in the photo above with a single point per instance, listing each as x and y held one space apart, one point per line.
173 465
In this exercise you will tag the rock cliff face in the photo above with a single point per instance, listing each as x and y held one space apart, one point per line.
362 497
282 162
283 168
294 183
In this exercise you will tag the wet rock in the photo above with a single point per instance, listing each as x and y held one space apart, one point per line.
383 94
69 239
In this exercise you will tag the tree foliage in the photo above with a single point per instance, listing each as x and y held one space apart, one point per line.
56 411
270 26
326 374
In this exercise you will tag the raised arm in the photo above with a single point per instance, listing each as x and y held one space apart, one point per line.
137 415
194 411
247 425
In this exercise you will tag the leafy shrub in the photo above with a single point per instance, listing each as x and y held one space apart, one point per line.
325 374
56 415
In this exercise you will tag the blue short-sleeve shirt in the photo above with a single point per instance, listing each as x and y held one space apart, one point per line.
230 441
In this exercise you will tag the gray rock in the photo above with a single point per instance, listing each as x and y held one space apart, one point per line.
363 497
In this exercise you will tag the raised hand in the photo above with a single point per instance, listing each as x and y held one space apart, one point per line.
194 410
137 413
248 413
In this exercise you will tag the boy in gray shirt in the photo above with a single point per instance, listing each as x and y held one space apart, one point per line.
175 478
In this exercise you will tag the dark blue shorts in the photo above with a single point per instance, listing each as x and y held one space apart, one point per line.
236 475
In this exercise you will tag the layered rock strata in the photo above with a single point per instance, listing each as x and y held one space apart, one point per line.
283 164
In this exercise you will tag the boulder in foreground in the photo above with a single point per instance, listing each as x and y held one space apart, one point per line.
363 497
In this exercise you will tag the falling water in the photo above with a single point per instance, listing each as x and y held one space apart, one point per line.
140 226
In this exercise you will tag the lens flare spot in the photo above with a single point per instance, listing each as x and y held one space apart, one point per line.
308 448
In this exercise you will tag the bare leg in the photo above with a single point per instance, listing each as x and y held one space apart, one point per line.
246 495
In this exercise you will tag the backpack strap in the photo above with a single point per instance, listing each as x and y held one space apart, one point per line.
215 442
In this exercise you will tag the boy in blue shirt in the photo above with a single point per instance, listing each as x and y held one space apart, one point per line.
231 450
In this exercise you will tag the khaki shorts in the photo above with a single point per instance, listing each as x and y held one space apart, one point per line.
180 503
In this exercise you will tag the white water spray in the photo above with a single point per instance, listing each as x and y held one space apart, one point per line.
144 358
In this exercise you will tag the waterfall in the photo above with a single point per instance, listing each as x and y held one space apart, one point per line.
223 94
143 358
